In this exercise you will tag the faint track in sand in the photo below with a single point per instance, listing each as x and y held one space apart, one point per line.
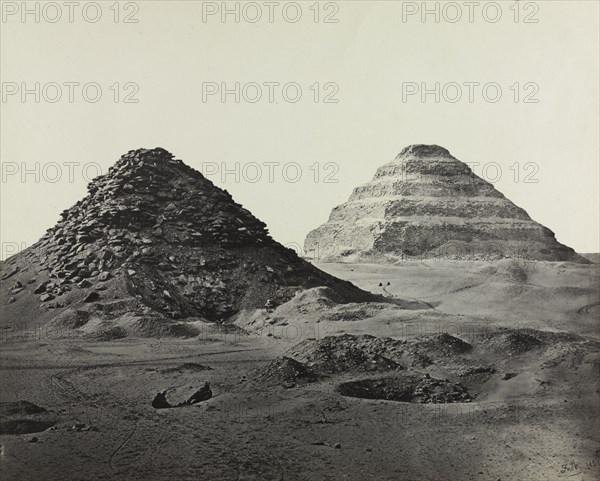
408 297
66 388
276 466
585 310
129 363
442 294
66 391
121 446
237 464
281 470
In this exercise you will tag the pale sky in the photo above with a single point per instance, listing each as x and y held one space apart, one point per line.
366 61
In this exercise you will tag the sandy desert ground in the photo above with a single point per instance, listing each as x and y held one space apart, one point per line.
525 347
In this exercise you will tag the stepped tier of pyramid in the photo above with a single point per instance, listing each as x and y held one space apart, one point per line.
426 203
155 231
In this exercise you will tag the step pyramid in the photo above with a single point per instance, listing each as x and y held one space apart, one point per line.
155 230
426 203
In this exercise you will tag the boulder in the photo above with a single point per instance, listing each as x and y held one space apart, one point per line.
104 276
40 288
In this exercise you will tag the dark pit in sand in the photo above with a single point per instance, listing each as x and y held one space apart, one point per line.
23 417
188 366
24 426
406 388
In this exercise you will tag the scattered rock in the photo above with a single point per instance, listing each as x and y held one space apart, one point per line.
104 276
10 273
40 288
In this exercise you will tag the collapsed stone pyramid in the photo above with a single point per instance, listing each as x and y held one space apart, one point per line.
426 203
156 230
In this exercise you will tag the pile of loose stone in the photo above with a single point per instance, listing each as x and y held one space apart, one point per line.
163 232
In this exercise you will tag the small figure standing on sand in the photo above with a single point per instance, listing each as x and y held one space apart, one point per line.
269 306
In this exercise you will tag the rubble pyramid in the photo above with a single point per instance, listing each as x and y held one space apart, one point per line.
157 232
426 203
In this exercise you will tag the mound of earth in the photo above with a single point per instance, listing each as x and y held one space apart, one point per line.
548 349
115 320
520 341
157 232
426 203
287 372
346 353
364 352
320 305
406 388
440 344
355 353
310 301
312 360
426 349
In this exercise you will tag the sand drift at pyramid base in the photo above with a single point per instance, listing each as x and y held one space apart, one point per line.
154 236
428 204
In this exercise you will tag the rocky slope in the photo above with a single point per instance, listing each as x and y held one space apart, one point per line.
154 236
426 203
